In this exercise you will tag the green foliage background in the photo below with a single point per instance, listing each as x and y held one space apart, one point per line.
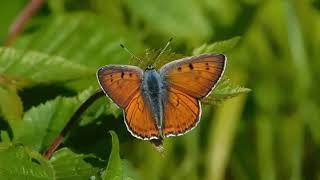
270 133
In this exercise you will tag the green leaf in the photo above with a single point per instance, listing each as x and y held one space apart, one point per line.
118 168
43 123
181 19
19 162
111 108
102 106
4 136
11 106
114 169
224 91
68 165
83 38
218 47
23 68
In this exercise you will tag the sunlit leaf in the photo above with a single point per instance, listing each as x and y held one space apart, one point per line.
83 38
28 67
114 169
68 166
43 123
150 57
118 168
19 162
224 90
217 47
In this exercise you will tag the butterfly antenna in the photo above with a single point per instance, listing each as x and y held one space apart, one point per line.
162 51
127 50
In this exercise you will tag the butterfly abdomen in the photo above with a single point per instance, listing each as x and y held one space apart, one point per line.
153 92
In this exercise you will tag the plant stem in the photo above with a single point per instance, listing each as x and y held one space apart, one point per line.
32 7
71 123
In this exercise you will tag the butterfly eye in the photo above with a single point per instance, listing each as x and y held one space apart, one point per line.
179 68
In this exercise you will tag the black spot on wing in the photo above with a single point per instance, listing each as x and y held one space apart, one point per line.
190 66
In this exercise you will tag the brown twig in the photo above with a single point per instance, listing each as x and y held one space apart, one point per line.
71 123
32 7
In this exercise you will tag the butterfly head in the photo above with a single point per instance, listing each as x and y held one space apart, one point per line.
149 67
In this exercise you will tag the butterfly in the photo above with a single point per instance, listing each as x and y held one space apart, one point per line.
165 102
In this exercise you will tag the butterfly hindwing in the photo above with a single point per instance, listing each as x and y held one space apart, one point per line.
195 76
120 83
182 113
139 119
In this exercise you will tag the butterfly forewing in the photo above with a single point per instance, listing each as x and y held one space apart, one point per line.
120 83
182 113
195 76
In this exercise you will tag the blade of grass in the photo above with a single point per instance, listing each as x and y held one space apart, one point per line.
264 147
224 129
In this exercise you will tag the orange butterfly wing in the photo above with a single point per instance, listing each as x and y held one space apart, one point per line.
182 113
195 76
122 84
139 119
188 80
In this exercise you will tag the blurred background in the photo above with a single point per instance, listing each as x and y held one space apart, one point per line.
270 133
